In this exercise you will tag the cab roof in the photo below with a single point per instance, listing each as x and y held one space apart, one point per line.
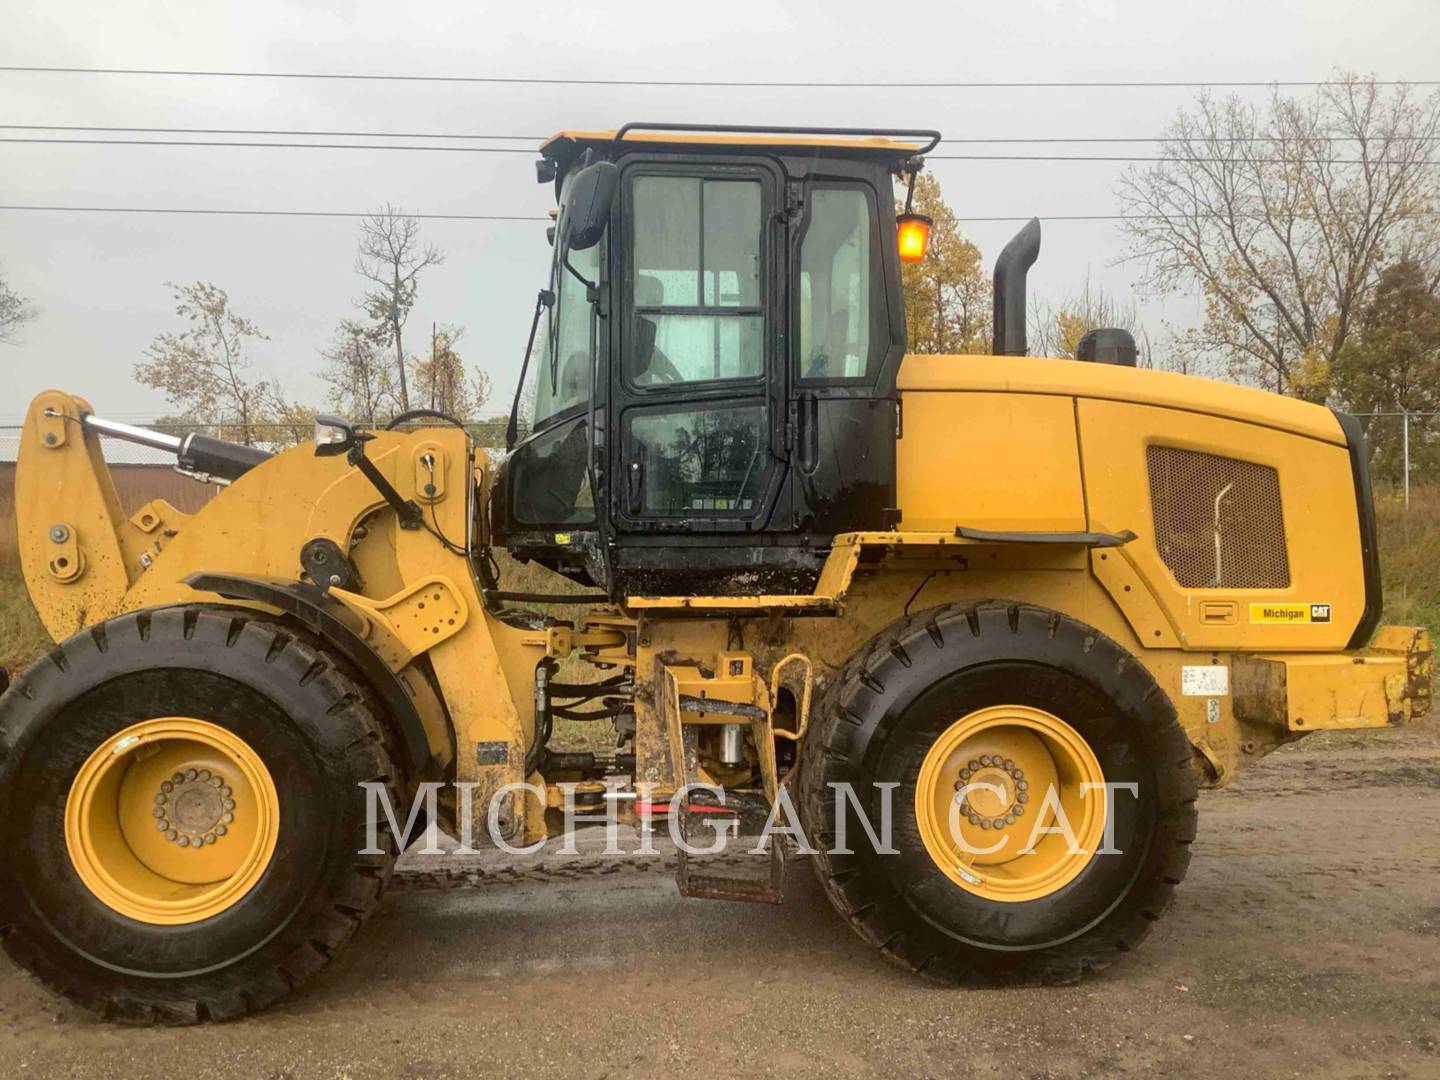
841 142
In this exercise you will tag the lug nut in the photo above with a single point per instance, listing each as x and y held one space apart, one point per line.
1022 798
221 830
162 824
1009 764
190 774
204 774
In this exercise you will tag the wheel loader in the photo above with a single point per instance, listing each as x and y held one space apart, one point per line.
981 625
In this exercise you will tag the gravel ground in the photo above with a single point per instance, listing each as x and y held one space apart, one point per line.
1306 940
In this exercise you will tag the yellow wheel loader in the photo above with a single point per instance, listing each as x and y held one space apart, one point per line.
968 631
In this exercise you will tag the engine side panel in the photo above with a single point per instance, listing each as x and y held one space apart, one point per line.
989 461
1272 563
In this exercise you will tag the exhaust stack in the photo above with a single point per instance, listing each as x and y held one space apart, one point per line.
1010 270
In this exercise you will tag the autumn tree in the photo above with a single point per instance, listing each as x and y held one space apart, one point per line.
391 257
1391 364
15 312
358 372
441 380
1283 218
204 370
947 295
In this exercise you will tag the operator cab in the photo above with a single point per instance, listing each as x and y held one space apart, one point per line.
710 396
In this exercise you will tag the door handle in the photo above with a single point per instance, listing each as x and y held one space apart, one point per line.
807 442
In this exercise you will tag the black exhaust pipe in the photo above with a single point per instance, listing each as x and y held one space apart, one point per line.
1010 270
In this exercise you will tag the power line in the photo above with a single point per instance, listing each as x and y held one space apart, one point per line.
275 145
1152 158
536 139
267 213
276 131
723 83
184 210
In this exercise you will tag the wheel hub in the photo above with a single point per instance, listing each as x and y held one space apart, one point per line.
194 808
172 820
992 788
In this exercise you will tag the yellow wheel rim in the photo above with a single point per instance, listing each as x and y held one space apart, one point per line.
172 820
991 790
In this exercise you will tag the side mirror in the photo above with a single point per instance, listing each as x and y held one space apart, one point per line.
333 436
588 198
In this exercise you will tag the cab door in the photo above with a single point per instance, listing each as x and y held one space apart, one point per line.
698 389
847 340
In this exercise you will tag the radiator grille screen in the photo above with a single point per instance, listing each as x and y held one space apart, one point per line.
1218 523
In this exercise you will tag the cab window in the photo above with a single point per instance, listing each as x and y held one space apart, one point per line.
696 300
837 274
561 379
697 461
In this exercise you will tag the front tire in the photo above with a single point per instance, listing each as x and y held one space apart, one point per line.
239 875
966 693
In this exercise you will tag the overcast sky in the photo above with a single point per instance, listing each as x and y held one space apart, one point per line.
99 280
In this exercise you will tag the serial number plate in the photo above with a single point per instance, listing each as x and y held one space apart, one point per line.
1204 680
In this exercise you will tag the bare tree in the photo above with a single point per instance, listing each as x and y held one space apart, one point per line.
1057 330
362 384
1284 219
391 257
15 312
204 370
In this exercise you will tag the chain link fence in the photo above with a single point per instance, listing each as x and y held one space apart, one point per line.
1404 447
487 431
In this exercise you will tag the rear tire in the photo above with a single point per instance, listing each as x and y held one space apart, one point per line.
308 721
899 696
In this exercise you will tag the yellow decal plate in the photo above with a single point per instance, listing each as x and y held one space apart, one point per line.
1289 613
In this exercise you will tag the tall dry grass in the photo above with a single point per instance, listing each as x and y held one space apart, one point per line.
22 637
1410 555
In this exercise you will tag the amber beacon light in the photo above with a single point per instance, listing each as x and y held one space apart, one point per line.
912 233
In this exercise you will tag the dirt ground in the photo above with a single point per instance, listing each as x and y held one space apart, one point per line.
1306 941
